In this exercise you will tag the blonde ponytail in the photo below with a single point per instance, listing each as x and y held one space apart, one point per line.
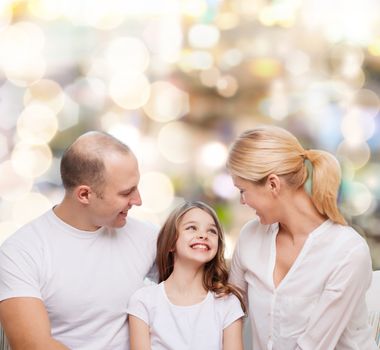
272 150
325 184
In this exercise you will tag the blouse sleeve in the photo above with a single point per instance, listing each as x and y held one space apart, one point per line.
344 290
237 271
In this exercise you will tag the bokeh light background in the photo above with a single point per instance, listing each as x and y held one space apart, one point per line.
178 81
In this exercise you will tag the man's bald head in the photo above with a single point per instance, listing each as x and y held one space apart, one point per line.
83 162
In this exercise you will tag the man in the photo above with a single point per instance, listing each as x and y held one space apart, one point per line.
66 277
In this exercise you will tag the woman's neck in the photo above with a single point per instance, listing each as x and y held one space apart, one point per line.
185 285
300 216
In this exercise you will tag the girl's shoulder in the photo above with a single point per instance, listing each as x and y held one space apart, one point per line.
146 292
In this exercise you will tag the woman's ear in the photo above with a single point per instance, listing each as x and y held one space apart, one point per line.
274 184
83 193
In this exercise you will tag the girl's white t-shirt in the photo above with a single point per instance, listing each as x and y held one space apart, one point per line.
194 327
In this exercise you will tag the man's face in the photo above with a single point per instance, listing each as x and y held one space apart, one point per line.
119 192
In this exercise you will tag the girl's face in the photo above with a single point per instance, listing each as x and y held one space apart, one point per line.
197 237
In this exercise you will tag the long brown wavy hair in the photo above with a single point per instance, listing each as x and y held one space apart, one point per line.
215 273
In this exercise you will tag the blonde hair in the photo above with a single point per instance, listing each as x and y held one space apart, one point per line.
215 275
267 150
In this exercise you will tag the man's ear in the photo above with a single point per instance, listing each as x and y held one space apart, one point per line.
274 184
83 193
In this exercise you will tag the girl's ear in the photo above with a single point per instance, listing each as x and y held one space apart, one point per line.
274 184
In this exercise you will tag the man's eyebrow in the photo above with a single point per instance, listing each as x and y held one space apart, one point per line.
128 190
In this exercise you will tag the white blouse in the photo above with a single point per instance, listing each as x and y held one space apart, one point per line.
320 303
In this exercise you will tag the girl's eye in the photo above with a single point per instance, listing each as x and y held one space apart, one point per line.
192 227
241 191
213 232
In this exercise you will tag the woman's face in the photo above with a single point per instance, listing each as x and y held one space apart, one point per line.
258 197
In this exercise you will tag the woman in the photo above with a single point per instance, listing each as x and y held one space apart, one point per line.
305 272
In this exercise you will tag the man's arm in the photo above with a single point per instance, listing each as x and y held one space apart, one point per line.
26 324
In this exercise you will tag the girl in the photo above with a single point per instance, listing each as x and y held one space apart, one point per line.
305 270
193 307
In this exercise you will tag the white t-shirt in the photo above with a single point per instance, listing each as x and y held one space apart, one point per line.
320 303
194 327
84 278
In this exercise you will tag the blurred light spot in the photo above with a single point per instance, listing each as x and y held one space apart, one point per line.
31 160
130 91
369 176
37 124
203 36
45 9
7 228
126 134
6 14
69 116
210 76
193 8
174 142
357 154
227 20
279 13
30 207
368 102
127 54
111 118
156 191
105 14
213 155
12 184
374 47
21 45
232 58
297 63
4 149
166 102
227 86
23 71
47 92
278 100
357 199
88 92
357 126
265 68
10 105
198 60
223 186
164 38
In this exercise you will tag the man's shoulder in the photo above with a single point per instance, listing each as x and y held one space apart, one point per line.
137 226
30 232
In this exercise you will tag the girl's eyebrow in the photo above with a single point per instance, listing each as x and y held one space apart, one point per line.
195 222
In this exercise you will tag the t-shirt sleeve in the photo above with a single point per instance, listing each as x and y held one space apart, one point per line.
138 305
20 270
231 309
